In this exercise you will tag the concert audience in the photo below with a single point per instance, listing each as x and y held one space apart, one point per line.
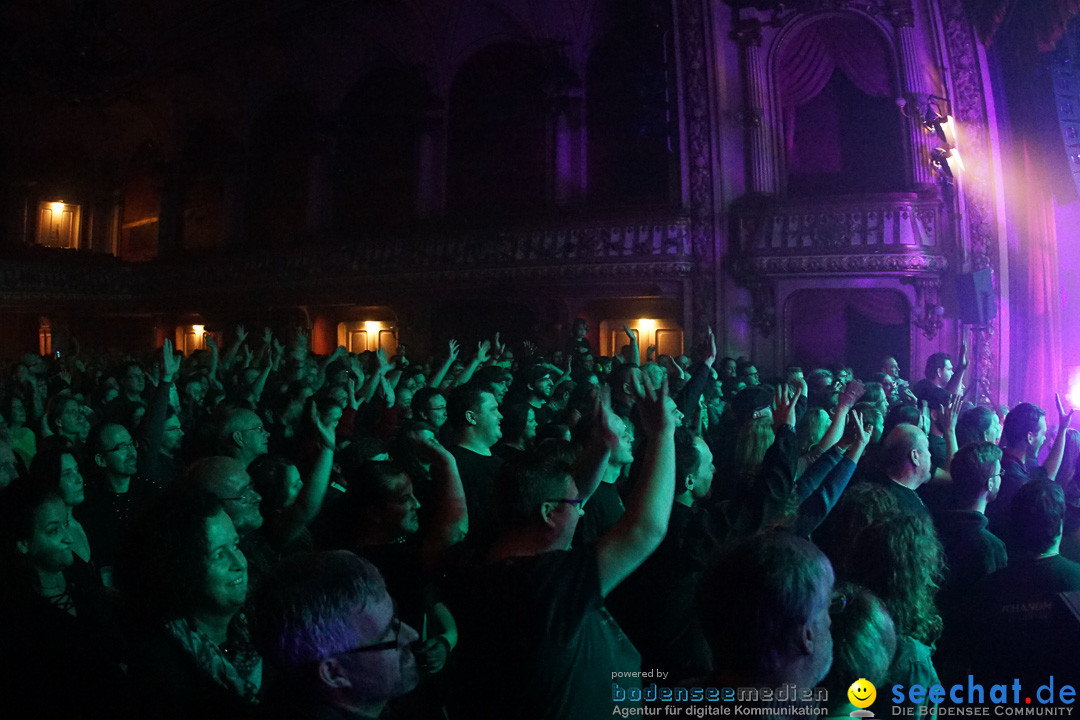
511 514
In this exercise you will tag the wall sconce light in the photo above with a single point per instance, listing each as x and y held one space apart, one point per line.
932 115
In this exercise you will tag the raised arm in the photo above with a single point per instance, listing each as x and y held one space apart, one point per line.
816 508
642 527
230 354
152 427
450 522
848 398
950 414
1057 450
635 351
588 469
956 384
310 499
439 375
481 357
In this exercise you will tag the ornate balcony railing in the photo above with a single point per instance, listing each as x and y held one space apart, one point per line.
577 251
660 248
896 233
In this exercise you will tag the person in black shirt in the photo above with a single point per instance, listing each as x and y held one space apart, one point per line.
536 640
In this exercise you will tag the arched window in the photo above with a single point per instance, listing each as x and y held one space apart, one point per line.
631 119
377 160
497 143
842 132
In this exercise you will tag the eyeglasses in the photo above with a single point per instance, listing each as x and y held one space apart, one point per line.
837 604
247 496
395 625
129 445
258 428
579 503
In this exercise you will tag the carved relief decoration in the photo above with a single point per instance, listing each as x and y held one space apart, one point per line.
693 36
969 105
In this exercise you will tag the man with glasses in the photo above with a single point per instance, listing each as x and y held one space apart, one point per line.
535 640
228 479
242 436
115 494
352 671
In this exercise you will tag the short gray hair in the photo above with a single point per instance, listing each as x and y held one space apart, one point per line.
304 608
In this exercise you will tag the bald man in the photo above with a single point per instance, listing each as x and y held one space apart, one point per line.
907 467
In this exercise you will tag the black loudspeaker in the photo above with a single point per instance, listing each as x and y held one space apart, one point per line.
975 301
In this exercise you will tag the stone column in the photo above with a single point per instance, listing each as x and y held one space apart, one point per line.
914 91
757 113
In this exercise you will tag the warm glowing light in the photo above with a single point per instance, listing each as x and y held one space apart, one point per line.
949 129
57 207
646 325
198 329
1073 396
372 325
956 163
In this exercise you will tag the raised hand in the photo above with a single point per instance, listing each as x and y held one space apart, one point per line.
1063 418
384 364
170 362
268 336
241 334
455 349
211 343
607 426
652 405
924 417
784 400
860 432
950 412
325 431
430 449
482 349
851 393
710 348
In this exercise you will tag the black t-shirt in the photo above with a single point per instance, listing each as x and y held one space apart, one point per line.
478 475
1021 627
1014 475
602 511
536 640
909 500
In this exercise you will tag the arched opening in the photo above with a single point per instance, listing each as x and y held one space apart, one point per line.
850 326
842 132
497 147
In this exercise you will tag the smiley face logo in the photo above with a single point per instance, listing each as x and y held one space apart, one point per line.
862 693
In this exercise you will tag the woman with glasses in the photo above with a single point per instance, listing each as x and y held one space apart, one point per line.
184 580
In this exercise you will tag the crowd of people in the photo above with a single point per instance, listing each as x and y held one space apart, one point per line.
256 531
